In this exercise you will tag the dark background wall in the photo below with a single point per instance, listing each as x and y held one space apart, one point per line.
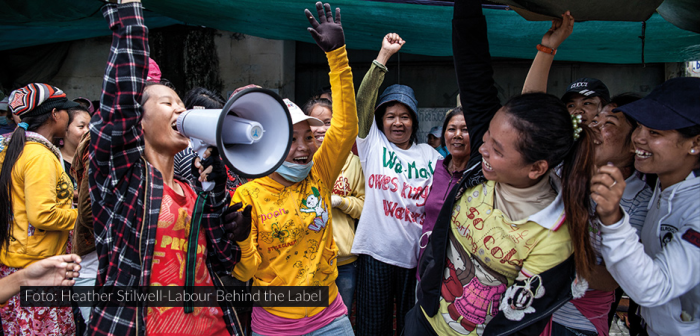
435 85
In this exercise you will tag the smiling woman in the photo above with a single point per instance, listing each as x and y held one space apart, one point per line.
448 172
666 143
399 178
295 247
480 273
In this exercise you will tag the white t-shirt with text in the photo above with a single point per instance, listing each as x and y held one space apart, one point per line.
397 184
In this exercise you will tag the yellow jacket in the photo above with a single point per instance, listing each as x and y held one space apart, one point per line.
42 195
291 241
350 186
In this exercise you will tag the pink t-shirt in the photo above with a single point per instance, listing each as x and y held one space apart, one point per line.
267 324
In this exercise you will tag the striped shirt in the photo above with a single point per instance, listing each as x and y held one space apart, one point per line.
634 200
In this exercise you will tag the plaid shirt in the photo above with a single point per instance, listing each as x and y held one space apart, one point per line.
126 191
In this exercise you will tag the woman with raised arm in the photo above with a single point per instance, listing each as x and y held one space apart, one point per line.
290 242
661 273
398 177
36 196
588 315
499 260
147 219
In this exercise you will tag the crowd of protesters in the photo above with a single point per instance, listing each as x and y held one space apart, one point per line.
532 216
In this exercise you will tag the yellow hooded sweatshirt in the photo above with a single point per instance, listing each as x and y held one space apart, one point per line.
42 195
291 241
350 186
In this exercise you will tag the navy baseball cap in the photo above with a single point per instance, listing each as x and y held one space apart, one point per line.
399 93
589 87
673 105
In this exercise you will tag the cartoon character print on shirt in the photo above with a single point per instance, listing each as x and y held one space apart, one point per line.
64 189
315 204
473 291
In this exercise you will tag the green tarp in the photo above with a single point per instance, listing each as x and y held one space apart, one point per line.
426 28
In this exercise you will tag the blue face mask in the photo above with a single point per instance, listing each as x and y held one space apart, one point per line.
294 172
3 121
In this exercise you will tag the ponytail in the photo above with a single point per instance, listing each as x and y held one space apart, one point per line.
547 133
576 174
14 149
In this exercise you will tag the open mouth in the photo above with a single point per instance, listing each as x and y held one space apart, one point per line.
319 138
174 127
457 145
487 166
398 132
301 159
642 154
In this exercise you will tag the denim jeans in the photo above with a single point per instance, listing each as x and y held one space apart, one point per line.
560 330
347 278
87 282
339 327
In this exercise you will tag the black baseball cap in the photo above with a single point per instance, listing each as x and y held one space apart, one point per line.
673 105
589 87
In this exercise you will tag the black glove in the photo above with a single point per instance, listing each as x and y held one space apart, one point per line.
329 34
237 223
218 172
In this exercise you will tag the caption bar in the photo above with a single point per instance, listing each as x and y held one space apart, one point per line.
170 296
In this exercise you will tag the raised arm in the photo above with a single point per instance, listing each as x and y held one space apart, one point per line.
341 135
536 80
116 133
470 48
369 89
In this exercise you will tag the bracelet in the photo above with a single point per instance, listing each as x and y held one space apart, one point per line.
546 50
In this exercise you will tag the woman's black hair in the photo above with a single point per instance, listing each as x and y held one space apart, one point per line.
689 132
14 149
75 110
321 92
200 96
145 95
453 112
546 133
379 119
309 106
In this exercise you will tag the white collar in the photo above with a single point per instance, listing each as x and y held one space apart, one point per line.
553 216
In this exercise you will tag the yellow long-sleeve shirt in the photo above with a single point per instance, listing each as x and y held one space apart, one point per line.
291 241
350 186
42 194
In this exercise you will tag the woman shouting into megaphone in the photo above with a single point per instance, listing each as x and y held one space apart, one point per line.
291 238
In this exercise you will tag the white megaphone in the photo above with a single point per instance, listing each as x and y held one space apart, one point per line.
253 131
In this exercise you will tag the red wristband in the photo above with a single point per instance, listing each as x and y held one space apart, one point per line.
547 50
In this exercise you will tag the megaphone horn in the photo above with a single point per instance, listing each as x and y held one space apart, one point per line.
253 131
